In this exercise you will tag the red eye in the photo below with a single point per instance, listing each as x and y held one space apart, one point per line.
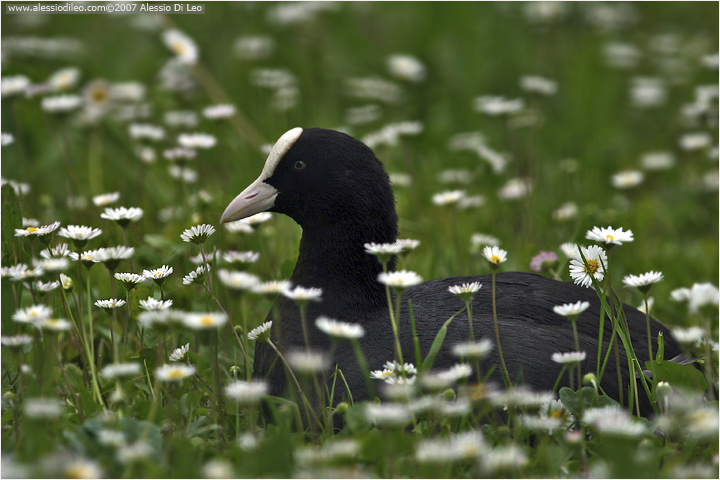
299 165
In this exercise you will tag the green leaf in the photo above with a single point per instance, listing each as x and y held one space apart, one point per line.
686 378
437 343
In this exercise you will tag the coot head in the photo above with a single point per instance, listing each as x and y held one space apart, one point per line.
315 176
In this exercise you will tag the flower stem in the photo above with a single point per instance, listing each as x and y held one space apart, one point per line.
506 375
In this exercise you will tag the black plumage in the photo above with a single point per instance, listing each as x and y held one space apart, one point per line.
335 188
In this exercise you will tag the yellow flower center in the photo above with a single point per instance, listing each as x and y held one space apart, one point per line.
495 259
556 414
99 95
178 47
207 321
32 229
175 374
609 238
593 264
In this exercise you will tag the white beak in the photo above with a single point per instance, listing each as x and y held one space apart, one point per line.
256 198
260 196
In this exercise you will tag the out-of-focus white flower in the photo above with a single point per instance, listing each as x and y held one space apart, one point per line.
627 179
406 67
184 47
61 103
496 106
537 84
253 47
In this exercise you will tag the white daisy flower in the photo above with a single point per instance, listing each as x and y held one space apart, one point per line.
570 250
406 67
198 259
184 47
52 264
158 319
197 234
14 85
196 140
42 408
112 256
303 294
79 233
130 280
387 414
55 324
609 235
66 282
383 251
16 341
308 363
494 255
61 103
568 358
238 280
481 239
140 131
566 211
201 321
121 370
273 287
338 329
537 84
399 179
110 303
253 47
176 372
215 112
644 281
406 244
478 350
58 251
88 258
33 314
219 469
695 141
466 291
657 161
260 333
180 353
258 218
399 280
158 275
597 262
234 257
238 226
151 304
495 106
21 272
688 336
46 286
571 310
123 216
451 197
37 231
503 458
64 79
698 296
246 393
515 188
627 179
196 276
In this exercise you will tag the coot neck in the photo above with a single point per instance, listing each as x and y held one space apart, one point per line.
332 256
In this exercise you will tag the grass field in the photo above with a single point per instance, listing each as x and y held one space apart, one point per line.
551 118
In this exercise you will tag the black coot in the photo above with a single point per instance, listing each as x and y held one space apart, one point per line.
335 188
